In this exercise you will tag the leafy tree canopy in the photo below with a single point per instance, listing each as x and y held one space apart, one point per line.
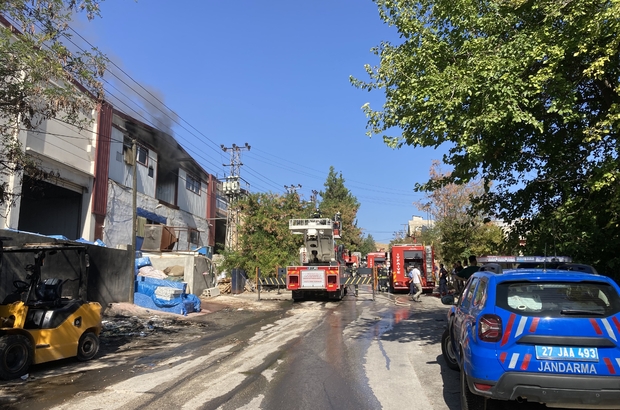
524 93
265 241
337 198
40 78
459 229
368 245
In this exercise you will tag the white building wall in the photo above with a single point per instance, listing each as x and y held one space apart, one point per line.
194 203
118 170
122 172
146 183
67 152
65 143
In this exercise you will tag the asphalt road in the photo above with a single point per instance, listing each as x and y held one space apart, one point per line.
358 353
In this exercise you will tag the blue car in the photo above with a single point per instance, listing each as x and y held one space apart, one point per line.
538 335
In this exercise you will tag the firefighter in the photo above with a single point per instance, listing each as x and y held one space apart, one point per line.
382 278
317 213
354 275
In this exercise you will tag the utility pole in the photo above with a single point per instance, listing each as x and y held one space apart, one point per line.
134 207
292 188
232 189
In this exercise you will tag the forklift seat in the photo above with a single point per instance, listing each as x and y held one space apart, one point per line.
50 317
50 290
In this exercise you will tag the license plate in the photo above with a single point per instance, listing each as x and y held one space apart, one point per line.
313 279
575 354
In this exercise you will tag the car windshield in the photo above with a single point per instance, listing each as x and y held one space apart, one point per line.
558 299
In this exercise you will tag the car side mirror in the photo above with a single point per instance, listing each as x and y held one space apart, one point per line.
448 300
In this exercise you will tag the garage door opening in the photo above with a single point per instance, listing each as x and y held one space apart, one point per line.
49 209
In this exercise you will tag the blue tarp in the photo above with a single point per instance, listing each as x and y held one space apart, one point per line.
181 305
98 242
145 295
148 285
140 262
151 215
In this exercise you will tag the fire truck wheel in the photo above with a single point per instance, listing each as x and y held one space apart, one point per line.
15 356
297 296
88 346
447 350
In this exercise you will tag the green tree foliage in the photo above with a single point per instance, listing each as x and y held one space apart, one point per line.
368 245
459 230
39 76
337 198
525 94
264 238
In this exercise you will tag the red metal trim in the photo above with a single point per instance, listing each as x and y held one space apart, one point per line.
102 161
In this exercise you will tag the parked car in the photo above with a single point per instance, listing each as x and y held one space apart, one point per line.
540 335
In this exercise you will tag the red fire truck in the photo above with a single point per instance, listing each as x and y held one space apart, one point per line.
321 271
404 255
373 258
351 258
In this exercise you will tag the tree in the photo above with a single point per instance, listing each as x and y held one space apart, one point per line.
525 94
337 198
368 245
40 78
459 229
265 241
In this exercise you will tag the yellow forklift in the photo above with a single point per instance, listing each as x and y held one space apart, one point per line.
38 323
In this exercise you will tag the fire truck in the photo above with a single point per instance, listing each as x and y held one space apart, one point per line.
404 255
351 258
374 258
321 270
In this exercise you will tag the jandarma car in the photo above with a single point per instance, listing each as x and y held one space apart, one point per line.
542 335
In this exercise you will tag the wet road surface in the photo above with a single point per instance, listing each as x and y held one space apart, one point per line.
353 354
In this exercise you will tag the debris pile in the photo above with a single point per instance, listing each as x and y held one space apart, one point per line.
134 326
224 285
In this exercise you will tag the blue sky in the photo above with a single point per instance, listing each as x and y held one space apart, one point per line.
273 74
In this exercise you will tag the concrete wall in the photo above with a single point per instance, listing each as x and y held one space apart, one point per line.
110 276
197 271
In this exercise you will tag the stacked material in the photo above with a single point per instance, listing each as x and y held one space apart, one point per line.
224 285
167 293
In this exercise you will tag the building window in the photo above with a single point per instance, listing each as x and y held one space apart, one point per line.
151 171
143 155
221 204
194 237
192 184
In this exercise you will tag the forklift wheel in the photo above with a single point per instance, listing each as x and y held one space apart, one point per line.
88 346
15 356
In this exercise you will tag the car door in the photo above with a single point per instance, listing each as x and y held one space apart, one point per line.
462 319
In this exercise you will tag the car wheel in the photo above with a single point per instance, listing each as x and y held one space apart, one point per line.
88 346
469 400
15 356
447 350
